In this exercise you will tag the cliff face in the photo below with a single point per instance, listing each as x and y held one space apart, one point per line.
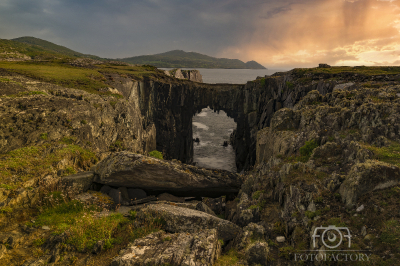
172 106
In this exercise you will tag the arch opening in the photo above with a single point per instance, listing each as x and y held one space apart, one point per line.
212 146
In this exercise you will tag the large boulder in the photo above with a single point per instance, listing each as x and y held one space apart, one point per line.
178 219
126 169
196 249
366 177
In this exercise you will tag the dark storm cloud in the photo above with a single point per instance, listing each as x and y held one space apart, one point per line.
280 32
117 28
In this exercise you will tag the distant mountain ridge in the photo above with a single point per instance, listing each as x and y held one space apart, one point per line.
179 59
35 48
51 47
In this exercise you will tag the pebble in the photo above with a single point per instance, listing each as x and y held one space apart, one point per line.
280 239
360 209
45 227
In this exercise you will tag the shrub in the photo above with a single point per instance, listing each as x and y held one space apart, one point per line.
289 84
308 148
156 154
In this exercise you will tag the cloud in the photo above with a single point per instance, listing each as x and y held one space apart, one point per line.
273 32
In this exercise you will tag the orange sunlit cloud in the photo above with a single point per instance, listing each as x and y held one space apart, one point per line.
337 32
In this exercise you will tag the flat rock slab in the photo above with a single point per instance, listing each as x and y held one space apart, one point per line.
127 169
169 197
80 182
160 248
179 219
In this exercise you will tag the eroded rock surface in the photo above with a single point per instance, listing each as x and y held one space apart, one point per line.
134 170
160 248
178 219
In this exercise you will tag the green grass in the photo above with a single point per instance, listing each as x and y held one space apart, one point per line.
262 82
90 80
256 195
156 154
228 259
357 70
390 154
33 161
44 136
289 85
84 228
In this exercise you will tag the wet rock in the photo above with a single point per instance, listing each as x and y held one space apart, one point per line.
136 194
169 197
160 248
79 182
178 219
133 170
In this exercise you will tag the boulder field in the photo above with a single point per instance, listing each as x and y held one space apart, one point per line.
321 148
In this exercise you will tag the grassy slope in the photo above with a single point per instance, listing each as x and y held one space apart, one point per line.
179 58
51 47
60 73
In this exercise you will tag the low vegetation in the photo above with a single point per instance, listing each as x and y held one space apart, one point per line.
156 154
34 161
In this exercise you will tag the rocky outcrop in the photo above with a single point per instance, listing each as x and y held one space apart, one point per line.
367 177
178 219
192 75
197 249
134 170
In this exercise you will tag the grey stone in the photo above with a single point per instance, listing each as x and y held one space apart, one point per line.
280 239
178 219
45 227
360 209
98 247
80 182
204 208
195 249
257 254
312 207
364 230
136 193
368 176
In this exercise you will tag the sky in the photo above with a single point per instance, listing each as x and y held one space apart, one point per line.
275 33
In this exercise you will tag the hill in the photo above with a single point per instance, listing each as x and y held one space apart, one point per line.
179 58
51 47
